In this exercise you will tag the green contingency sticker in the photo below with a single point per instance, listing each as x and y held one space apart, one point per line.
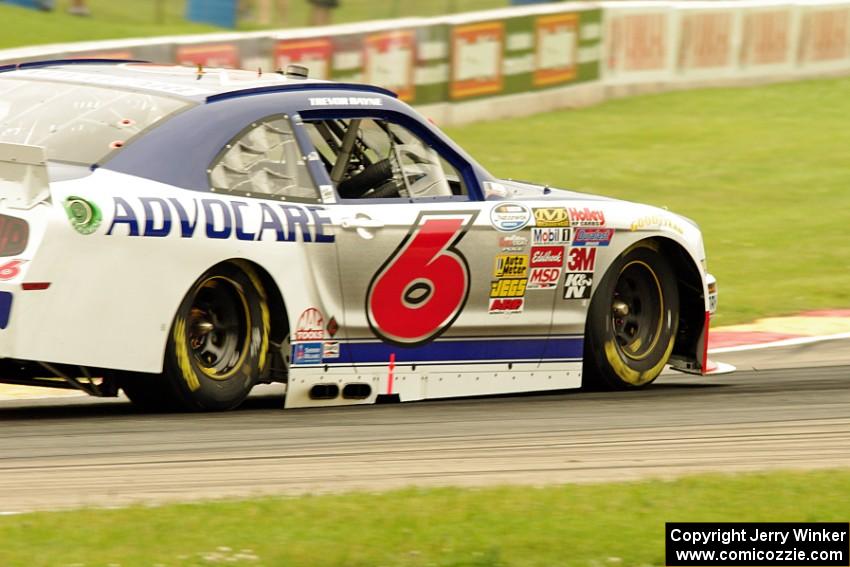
84 215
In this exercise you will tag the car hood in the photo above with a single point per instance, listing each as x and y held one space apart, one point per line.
522 190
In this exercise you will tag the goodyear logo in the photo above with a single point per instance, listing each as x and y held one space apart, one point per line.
556 216
511 266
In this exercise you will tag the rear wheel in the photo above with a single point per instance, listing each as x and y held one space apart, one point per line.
632 321
218 345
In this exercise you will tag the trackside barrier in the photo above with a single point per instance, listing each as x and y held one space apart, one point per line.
525 59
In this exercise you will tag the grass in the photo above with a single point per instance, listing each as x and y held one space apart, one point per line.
593 525
113 19
764 171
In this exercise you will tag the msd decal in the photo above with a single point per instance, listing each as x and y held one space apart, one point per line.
586 217
423 286
219 219
582 260
550 236
547 256
543 278
593 236
311 326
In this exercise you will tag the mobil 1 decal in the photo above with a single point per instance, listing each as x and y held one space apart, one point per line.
423 286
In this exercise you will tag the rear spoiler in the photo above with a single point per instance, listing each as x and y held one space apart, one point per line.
23 175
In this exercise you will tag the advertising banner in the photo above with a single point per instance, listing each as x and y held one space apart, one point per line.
707 42
640 41
768 40
824 37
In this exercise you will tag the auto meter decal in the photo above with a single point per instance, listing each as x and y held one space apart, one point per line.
508 217
84 215
423 286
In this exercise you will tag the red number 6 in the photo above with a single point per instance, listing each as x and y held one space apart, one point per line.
11 269
422 288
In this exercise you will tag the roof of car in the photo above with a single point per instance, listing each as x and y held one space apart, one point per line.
196 83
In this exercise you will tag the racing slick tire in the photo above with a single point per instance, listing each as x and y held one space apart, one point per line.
632 321
218 346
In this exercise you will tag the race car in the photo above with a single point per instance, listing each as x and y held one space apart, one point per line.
184 234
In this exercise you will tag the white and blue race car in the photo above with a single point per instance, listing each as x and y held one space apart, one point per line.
186 234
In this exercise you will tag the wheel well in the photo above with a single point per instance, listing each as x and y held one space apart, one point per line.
691 299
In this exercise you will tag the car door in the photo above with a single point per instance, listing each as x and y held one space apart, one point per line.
431 273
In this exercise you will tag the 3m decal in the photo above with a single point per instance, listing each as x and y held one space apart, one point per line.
555 216
509 217
84 215
510 266
423 286
507 305
220 219
547 256
593 236
307 353
655 221
543 278
11 270
514 287
311 326
578 285
513 243
586 217
550 236
582 260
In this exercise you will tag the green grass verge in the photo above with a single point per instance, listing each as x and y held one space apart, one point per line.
595 525
111 19
764 171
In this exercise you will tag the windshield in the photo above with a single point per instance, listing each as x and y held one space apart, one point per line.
77 123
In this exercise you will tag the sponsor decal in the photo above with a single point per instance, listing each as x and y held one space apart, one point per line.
513 243
84 215
311 326
547 256
511 266
333 327
476 66
543 278
551 236
345 101
330 349
593 236
655 221
555 216
582 260
514 287
508 217
307 353
513 305
220 219
578 285
586 217
11 270
422 288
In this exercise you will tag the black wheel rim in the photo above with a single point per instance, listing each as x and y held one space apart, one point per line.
218 327
637 310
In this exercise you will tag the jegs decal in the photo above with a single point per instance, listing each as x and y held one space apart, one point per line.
424 285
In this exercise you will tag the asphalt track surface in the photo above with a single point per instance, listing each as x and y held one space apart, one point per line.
785 408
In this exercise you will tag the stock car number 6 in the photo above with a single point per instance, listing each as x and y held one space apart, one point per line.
422 288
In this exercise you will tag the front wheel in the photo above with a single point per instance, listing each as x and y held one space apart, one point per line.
633 320
219 342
